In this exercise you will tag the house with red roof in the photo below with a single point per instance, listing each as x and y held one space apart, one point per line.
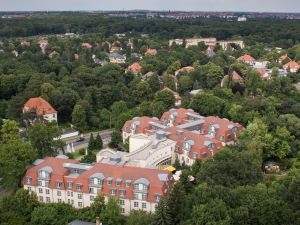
135 68
43 45
292 66
176 95
40 108
175 117
151 51
64 180
248 59
263 73
234 76
284 58
86 45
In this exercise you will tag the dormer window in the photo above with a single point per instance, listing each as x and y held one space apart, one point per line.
58 184
141 185
188 145
109 181
79 187
28 180
69 184
118 182
195 155
127 183
157 197
222 138
122 193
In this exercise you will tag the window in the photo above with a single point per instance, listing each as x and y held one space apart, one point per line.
157 198
195 155
76 171
136 187
40 183
118 182
144 205
122 210
70 193
58 184
91 190
79 204
28 180
92 198
69 201
136 204
29 188
145 187
46 183
47 199
127 183
112 191
135 196
47 192
109 181
221 138
58 200
69 184
122 192
122 202
144 196
40 190
79 196
41 199
99 182
79 187
58 193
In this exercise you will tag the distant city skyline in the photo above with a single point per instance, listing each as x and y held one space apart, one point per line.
292 6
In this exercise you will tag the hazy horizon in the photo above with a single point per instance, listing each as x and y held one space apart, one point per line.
288 6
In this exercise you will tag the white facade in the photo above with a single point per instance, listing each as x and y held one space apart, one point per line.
50 117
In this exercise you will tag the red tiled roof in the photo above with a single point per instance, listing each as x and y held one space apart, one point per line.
262 72
151 52
135 68
86 45
40 105
144 125
181 115
291 65
181 135
42 42
236 76
246 58
176 95
60 173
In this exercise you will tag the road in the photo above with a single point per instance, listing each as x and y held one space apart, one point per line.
105 135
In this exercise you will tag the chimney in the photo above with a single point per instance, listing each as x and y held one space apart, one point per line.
98 221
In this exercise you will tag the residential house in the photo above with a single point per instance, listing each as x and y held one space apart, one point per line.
187 69
43 45
25 43
116 58
176 95
65 180
234 76
135 68
86 45
151 52
292 66
232 43
39 107
248 59
284 58
53 54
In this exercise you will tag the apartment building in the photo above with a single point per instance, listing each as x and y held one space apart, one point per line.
59 179
183 134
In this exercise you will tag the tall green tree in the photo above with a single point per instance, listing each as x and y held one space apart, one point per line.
79 119
162 214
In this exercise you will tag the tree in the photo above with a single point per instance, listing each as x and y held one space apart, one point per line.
214 74
214 212
98 205
138 217
185 84
112 213
166 97
43 137
79 118
15 156
98 142
176 202
9 132
231 168
208 104
162 214
91 145
115 139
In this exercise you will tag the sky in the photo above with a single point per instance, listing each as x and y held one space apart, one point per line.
184 5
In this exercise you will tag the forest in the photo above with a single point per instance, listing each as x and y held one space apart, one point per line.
231 188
